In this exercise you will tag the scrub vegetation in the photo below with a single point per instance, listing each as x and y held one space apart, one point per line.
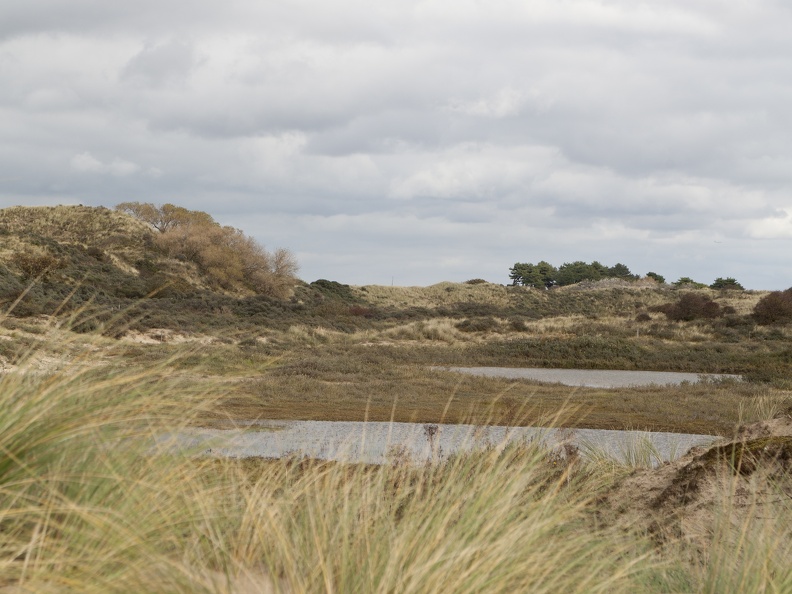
111 338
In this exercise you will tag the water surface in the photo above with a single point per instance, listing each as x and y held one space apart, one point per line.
592 378
377 442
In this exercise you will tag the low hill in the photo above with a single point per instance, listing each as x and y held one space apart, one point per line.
609 297
72 256
114 265
96 253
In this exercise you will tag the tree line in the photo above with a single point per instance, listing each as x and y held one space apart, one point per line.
545 275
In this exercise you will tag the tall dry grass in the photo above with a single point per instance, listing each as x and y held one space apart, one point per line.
90 503
749 551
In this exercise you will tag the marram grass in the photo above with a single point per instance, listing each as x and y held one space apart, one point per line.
88 504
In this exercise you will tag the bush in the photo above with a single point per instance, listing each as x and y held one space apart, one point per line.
688 283
476 281
487 324
33 264
727 284
692 306
230 259
518 325
774 308
333 290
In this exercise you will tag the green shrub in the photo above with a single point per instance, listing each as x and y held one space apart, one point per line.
727 284
686 282
333 289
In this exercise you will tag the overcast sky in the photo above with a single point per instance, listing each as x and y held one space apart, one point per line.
412 142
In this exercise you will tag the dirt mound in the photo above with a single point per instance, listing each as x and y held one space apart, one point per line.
679 500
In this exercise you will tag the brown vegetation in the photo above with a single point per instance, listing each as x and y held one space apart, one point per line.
774 308
751 472
231 259
691 306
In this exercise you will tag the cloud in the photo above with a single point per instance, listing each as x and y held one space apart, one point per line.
775 227
504 103
542 129
87 163
158 64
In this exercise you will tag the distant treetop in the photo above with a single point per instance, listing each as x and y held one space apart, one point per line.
546 275
689 283
727 284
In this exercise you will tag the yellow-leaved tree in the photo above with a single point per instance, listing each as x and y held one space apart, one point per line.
229 258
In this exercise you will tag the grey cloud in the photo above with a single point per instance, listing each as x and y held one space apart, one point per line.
161 63
388 130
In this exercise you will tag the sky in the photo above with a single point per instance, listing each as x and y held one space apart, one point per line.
411 142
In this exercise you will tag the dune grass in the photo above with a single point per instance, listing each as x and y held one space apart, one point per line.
88 503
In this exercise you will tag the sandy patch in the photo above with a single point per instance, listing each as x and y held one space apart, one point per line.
165 336
679 500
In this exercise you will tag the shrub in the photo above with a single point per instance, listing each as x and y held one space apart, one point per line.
774 308
727 284
476 281
95 253
34 264
333 289
518 325
478 325
10 285
692 306
688 283
643 317
230 259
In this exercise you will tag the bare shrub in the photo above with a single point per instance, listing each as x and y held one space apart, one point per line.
362 311
518 325
692 306
774 308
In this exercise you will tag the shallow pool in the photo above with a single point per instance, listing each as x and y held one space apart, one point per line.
377 442
591 378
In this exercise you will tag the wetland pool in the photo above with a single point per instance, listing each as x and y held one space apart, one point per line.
379 442
592 378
